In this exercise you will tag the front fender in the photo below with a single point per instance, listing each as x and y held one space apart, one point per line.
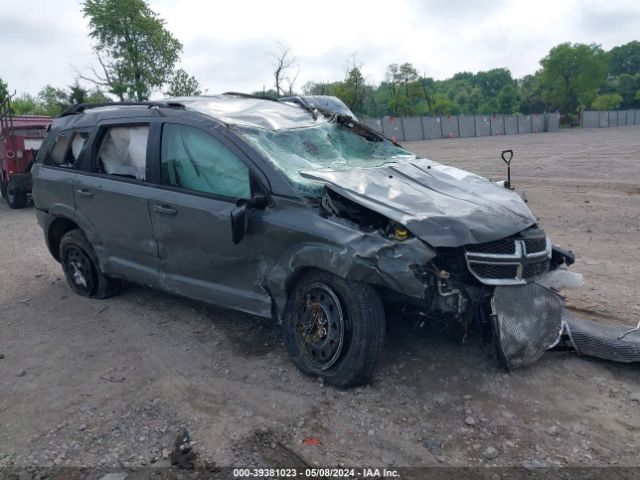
370 259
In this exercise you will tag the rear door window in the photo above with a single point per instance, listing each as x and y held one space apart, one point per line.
123 151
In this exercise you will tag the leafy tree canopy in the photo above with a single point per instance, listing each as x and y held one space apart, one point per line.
572 75
183 85
136 52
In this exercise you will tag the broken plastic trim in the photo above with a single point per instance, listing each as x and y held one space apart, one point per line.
617 343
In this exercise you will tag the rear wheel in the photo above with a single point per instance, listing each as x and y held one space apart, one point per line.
82 270
334 328
15 198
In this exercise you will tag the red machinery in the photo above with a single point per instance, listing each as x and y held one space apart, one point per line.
20 140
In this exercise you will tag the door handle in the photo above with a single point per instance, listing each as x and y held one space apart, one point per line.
164 210
83 192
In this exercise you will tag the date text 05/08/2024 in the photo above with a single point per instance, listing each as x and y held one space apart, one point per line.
371 473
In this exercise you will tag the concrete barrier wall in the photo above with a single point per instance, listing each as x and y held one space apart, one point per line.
483 125
467 126
412 127
450 126
497 124
552 122
404 129
537 123
432 128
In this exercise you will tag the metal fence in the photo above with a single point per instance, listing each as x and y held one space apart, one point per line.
614 118
403 129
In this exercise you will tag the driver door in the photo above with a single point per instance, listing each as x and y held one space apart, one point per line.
202 177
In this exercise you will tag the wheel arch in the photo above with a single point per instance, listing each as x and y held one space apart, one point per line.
56 231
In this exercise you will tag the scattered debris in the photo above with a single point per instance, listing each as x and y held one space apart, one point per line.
165 453
635 397
102 309
1 356
470 421
21 373
311 442
115 476
183 455
490 453
113 379
25 301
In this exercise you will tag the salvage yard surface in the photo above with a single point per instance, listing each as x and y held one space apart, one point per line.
110 383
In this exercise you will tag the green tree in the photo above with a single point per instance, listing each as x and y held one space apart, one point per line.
136 52
572 74
353 90
52 101
609 101
26 104
183 85
627 85
625 59
97 96
442 105
530 94
4 90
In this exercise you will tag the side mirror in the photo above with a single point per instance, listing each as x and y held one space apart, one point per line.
240 215
239 221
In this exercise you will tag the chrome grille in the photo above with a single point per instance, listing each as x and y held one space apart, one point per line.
510 261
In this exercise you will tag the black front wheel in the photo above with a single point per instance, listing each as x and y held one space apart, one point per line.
334 328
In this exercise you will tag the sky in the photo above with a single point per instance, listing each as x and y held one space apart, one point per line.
228 45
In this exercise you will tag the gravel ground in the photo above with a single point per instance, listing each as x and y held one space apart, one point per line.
109 384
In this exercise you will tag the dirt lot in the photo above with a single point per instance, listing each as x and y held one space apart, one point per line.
110 383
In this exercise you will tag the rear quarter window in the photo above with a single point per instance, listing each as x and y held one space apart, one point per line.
66 149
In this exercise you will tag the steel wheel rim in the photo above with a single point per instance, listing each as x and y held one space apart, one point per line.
319 326
78 269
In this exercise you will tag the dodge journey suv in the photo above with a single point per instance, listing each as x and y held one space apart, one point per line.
290 211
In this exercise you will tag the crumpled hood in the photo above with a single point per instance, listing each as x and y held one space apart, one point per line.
444 206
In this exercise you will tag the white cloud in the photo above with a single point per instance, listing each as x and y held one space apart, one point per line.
226 44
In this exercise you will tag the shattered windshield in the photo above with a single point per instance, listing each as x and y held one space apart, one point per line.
329 146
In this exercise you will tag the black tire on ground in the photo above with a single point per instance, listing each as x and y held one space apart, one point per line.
15 198
3 188
82 270
334 328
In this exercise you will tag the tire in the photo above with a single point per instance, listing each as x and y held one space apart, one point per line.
3 188
334 328
82 270
14 198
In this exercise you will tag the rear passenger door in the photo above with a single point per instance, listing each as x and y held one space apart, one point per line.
202 177
112 196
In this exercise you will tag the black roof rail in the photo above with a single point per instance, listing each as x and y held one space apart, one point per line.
81 107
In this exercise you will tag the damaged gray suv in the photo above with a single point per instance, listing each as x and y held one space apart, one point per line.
287 211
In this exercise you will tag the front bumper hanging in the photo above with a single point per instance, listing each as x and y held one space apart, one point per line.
526 321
